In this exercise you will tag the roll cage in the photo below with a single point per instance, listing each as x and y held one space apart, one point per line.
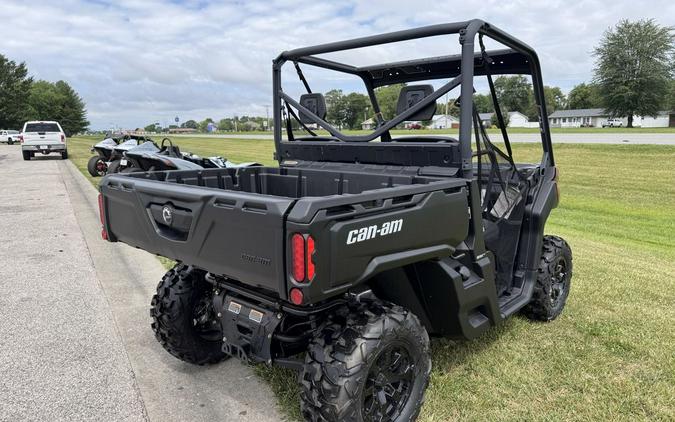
518 58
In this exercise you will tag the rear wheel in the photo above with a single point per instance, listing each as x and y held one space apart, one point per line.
26 155
369 362
183 317
64 155
96 166
553 281
10 141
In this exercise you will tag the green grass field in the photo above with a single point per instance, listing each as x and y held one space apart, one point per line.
611 355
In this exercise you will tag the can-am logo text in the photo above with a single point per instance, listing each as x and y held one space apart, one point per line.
370 232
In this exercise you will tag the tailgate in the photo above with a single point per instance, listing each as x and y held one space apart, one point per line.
42 138
234 234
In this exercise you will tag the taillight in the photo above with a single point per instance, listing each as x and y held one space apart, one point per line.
63 138
298 257
310 259
301 256
21 138
101 214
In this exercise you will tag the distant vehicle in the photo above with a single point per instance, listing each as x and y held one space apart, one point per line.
9 136
413 126
613 123
42 137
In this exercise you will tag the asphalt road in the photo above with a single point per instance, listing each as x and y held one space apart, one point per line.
75 342
562 138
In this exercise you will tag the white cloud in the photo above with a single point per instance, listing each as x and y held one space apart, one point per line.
136 61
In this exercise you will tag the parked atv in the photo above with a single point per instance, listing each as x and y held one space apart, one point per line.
150 157
343 260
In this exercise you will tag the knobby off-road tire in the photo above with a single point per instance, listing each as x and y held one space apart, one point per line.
363 360
92 166
182 317
553 281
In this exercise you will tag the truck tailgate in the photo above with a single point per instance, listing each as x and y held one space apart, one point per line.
41 138
235 234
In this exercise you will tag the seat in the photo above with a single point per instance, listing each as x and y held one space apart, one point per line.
315 103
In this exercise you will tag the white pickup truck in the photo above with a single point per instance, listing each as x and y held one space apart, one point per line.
9 136
43 137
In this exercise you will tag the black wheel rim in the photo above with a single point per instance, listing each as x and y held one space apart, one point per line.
389 384
558 283
205 322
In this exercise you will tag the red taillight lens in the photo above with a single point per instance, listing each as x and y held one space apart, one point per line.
296 296
101 214
100 208
310 258
63 138
298 257
21 138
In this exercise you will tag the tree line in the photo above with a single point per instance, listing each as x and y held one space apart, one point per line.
22 98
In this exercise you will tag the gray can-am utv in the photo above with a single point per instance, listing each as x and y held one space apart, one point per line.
344 259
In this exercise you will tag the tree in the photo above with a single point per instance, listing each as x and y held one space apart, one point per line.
355 106
584 96
505 116
671 96
335 107
190 124
387 98
554 98
152 127
204 124
514 93
226 124
483 103
14 89
634 68
57 101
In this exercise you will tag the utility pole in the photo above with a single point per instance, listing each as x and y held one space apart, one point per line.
235 123
267 116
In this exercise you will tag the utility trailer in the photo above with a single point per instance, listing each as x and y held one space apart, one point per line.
355 248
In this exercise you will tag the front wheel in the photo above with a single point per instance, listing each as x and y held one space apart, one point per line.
183 317
368 362
553 280
96 166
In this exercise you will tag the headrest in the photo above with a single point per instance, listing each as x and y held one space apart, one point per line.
413 94
314 103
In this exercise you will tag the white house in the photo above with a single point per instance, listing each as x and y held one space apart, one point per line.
516 119
368 124
662 119
444 121
591 117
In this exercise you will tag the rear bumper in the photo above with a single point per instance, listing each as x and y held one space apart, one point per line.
45 149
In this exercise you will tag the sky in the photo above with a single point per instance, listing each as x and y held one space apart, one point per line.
136 62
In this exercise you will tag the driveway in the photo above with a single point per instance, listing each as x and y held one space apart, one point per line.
74 323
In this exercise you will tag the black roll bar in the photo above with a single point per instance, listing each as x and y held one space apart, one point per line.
467 34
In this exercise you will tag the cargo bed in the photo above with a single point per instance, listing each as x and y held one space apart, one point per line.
237 222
